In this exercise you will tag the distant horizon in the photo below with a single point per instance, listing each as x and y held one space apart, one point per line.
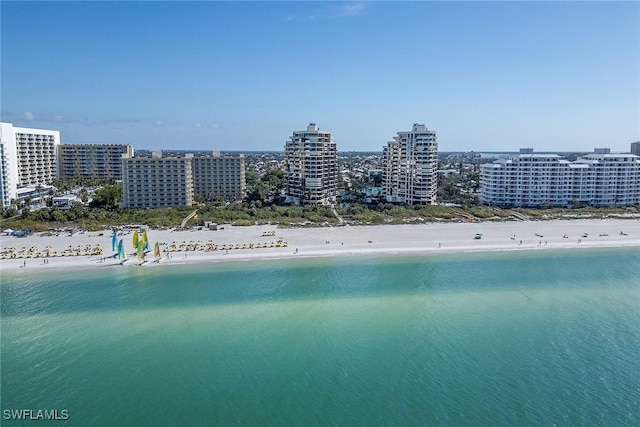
380 152
215 75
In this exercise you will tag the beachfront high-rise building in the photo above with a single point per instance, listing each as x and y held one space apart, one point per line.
537 180
219 176
92 160
635 148
409 167
311 167
28 159
157 182
8 165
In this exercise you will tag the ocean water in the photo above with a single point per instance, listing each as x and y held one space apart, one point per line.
502 339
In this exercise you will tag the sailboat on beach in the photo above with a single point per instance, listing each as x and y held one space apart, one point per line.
122 256
114 242
156 252
141 245
136 239
140 252
145 241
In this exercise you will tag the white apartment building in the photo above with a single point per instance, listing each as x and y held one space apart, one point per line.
311 167
537 180
28 158
219 176
157 182
409 165
92 160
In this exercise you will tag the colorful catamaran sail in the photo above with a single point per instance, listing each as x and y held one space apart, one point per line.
121 254
135 239
145 241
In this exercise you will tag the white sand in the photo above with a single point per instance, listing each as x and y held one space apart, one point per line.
343 241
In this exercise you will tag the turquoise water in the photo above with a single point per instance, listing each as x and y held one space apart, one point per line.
502 339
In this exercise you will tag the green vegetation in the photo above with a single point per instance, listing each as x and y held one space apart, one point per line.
262 206
95 219
266 188
288 216
67 185
107 197
248 215
586 211
459 189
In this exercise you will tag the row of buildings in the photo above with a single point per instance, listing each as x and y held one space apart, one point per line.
30 159
34 157
538 179
311 172
409 162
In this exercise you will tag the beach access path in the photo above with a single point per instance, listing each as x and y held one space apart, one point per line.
230 243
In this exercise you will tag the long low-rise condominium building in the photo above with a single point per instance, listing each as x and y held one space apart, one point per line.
158 182
219 177
531 179
92 160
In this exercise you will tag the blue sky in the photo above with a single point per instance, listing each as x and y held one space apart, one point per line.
486 76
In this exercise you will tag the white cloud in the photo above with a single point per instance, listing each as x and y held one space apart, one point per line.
27 115
198 126
60 118
347 9
158 123
214 126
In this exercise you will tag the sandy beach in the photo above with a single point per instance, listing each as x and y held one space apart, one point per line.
269 242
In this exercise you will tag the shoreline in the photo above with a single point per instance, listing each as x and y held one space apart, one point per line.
267 242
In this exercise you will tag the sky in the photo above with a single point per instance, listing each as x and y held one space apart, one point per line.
213 75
